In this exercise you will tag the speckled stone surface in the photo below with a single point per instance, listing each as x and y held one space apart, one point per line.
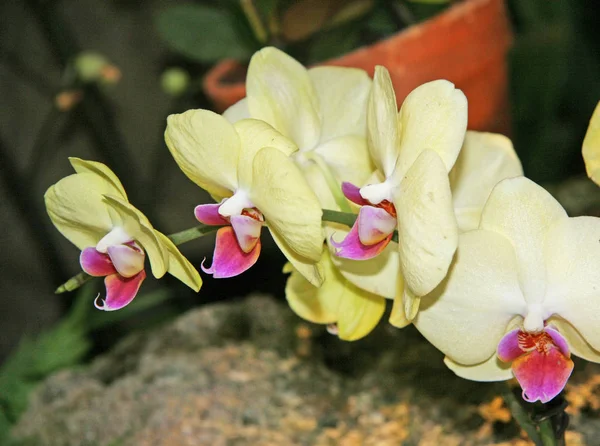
251 373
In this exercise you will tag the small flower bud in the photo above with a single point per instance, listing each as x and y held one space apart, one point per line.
95 67
175 81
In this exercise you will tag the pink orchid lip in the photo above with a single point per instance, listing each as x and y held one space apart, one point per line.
120 291
540 361
229 259
352 246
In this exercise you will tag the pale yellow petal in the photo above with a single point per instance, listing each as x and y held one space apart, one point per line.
398 314
313 174
342 93
255 135
76 207
572 258
310 302
523 212
379 275
432 117
280 92
356 312
427 228
491 370
591 147
468 314
139 228
579 346
101 170
485 159
290 207
382 125
348 158
179 266
237 111
206 148
310 270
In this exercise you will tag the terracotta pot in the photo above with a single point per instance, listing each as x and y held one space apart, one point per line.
466 44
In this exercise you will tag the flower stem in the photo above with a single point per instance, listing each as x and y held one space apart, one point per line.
254 20
187 235
522 417
547 433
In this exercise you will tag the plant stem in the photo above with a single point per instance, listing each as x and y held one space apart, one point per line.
547 434
187 235
521 416
254 20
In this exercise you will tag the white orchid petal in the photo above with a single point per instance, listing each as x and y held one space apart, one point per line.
342 94
237 111
432 117
491 370
467 315
523 212
591 147
484 160
382 125
348 157
577 344
572 255
427 228
280 92
207 148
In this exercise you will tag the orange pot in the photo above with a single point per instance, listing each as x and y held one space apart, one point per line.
466 44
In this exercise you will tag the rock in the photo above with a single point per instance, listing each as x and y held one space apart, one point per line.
251 373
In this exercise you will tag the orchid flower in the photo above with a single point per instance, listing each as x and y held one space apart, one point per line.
522 293
413 150
322 110
591 147
247 169
484 160
90 208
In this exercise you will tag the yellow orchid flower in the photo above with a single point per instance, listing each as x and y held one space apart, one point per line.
354 312
522 293
90 208
484 160
591 147
414 149
322 110
247 169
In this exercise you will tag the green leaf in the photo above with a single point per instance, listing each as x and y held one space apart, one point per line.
201 33
430 2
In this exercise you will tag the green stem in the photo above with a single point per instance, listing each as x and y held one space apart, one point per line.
522 417
254 20
187 235
547 433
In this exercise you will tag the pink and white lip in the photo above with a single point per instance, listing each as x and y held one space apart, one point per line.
120 260
540 361
372 230
237 245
